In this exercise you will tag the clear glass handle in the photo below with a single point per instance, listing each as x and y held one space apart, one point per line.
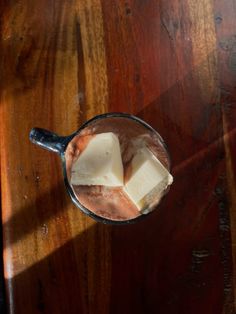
49 140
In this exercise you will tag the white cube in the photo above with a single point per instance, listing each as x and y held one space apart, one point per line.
147 175
99 163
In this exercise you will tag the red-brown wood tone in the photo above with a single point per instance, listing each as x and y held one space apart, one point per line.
171 63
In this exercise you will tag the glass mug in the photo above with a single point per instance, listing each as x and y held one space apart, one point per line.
68 148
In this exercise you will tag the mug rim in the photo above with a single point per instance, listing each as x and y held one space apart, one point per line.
70 191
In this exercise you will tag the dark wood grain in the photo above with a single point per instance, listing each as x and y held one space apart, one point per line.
225 30
172 63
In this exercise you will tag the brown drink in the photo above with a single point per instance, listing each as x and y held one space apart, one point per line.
113 202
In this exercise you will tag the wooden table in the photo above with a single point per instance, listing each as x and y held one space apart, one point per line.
172 63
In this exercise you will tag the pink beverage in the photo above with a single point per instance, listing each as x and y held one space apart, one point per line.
113 202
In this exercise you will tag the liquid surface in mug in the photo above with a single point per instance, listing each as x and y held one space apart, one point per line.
118 168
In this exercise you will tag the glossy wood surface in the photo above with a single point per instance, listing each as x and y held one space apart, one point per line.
171 63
